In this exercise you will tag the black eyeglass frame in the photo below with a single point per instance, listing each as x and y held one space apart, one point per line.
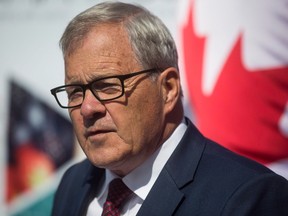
84 87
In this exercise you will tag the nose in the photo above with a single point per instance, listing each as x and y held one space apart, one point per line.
91 106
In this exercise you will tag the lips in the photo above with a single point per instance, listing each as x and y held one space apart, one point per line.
92 133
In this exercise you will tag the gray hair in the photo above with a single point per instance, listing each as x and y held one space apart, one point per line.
151 40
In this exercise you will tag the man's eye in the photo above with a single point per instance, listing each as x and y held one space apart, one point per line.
75 93
107 87
111 89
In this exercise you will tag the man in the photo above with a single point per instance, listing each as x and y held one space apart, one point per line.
124 100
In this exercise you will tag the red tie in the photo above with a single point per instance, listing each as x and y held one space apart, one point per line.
117 193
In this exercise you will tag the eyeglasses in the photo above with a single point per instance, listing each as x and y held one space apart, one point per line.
104 89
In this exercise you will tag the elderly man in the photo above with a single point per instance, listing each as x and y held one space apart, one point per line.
123 93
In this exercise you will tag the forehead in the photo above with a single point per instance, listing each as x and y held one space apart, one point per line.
105 49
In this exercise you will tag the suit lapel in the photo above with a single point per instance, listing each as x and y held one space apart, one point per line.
163 198
166 195
183 163
89 187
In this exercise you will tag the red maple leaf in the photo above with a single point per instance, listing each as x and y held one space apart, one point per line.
244 109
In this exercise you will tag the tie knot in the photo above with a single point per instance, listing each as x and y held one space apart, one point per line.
118 192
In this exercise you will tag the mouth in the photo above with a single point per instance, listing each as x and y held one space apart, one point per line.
96 133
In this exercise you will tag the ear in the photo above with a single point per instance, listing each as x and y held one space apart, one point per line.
171 88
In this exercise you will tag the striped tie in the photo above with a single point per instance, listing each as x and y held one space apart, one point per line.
117 194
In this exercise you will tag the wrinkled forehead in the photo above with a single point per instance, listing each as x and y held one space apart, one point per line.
116 31
105 47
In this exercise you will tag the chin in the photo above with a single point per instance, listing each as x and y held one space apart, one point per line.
108 161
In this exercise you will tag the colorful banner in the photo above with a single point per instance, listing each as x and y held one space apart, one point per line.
40 141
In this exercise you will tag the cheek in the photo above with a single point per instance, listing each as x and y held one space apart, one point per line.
77 123
149 106
124 119
139 119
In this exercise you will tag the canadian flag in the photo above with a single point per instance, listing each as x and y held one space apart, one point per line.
235 62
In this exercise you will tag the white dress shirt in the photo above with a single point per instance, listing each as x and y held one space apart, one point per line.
141 179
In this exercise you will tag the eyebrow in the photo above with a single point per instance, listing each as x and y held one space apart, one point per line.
90 78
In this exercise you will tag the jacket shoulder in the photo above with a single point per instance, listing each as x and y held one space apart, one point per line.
75 188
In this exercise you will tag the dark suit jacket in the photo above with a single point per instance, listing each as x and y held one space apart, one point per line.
200 178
